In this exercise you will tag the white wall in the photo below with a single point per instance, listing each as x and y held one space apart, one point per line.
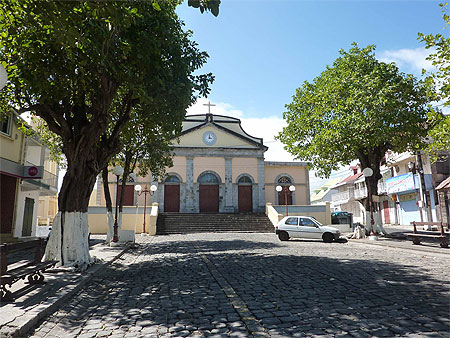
20 211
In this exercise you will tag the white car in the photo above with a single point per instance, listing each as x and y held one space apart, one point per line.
305 227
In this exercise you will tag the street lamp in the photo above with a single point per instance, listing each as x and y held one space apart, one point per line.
118 171
279 188
139 191
368 172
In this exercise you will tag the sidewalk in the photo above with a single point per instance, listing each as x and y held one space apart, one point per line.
396 238
34 302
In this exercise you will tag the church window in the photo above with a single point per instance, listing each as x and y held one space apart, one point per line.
172 179
245 180
208 178
284 180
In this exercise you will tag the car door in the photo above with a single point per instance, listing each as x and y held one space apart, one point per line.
291 226
309 228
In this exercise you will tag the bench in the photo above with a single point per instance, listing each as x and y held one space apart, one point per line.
30 266
416 236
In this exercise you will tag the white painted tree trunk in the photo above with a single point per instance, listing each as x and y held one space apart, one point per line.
110 220
377 224
110 232
69 242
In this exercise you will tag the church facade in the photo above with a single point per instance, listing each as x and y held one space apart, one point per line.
217 168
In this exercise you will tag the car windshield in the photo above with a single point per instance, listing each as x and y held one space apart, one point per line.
316 221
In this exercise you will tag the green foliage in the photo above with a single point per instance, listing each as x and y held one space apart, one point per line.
82 66
440 58
356 109
439 135
440 78
206 5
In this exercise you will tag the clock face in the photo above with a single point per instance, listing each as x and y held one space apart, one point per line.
209 138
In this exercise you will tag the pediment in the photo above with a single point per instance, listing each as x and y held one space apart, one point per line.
213 136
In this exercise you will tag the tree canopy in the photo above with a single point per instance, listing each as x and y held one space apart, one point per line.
82 67
79 64
358 108
440 79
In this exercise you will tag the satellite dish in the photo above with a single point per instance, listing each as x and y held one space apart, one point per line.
3 76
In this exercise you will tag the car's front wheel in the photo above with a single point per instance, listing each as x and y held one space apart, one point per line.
327 237
283 236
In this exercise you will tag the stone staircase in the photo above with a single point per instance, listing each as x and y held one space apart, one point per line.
177 223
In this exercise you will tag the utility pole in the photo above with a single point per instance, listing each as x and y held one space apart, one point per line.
423 188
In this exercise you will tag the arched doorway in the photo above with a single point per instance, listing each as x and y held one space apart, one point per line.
245 200
172 194
285 194
208 192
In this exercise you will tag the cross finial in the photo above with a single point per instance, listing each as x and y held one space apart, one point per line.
209 104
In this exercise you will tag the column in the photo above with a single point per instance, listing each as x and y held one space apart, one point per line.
190 198
229 206
261 186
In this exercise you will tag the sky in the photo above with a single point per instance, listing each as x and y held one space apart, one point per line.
261 51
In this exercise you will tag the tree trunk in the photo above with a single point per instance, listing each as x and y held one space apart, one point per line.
68 241
372 189
109 213
371 158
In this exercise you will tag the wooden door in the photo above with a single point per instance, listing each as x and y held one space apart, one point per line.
245 202
209 198
283 194
7 198
128 198
28 217
171 198
387 217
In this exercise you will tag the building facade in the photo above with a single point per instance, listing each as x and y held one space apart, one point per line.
219 168
27 175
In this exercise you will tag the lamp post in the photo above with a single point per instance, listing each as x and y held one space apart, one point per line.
279 188
118 171
368 172
139 191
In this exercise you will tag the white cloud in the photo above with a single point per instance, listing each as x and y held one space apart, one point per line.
219 108
408 60
264 127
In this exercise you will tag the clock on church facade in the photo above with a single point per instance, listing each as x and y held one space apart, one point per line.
209 138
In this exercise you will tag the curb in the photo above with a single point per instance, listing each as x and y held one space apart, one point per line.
29 320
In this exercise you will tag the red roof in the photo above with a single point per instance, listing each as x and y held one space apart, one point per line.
445 184
351 178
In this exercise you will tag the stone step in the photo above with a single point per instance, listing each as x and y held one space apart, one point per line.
176 223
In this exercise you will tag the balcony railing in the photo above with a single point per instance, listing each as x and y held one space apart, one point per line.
49 179
381 187
361 193
341 197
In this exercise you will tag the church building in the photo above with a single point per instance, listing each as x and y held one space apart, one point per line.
218 168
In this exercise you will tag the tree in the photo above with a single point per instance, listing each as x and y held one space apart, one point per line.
206 5
356 109
440 79
146 147
82 67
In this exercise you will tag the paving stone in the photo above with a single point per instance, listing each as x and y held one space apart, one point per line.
297 288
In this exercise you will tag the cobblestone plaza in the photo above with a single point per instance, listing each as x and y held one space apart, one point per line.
252 285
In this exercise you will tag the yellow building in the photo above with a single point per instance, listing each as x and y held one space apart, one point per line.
26 176
218 167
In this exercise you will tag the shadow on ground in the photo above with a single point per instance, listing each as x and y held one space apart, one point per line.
173 290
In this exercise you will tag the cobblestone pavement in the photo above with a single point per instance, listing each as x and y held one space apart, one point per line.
252 285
